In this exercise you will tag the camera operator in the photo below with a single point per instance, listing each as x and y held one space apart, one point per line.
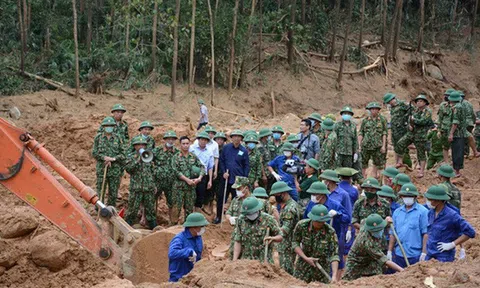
309 144
284 167
311 175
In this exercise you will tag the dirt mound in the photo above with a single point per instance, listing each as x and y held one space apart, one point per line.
243 273
49 250
18 222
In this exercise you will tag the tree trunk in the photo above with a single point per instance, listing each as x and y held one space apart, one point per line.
112 21
260 24
192 47
362 17
422 23
336 14
304 4
175 50
392 30
290 42
232 47
384 5
474 19
75 40
22 39
154 40
454 18
25 23
243 73
432 20
345 44
127 25
89 26
398 28
212 48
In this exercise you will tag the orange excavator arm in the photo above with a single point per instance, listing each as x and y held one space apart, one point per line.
25 176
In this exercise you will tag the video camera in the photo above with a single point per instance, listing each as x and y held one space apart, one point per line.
294 167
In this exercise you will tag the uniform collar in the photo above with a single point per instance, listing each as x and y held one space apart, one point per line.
366 202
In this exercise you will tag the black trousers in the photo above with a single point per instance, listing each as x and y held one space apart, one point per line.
200 125
220 203
201 191
458 146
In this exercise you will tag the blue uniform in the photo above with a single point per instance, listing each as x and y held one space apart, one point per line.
277 165
235 160
446 227
353 194
340 222
182 247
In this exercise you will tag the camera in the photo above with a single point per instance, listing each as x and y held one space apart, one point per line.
293 167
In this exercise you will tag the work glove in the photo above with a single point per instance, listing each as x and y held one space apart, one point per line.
389 255
442 247
278 177
193 258
422 257
332 213
462 254
348 237
355 158
232 220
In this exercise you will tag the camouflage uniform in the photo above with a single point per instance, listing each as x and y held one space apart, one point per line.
328 151
255 173
321 135
322 244
289 216
460 118
265 152
142 189
347 143
445 118
267 207
164 173
276 150
182 193
365 258
476 131
470 118
372 130
399 125
362 209
111 147
121 129
234 210
150 143
250 234
454 193
435 155
422 122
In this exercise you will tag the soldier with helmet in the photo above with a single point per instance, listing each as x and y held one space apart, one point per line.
121 126
255 159
347 139
145 129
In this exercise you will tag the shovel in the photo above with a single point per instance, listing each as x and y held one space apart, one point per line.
399 244
13 112
323 271
266 246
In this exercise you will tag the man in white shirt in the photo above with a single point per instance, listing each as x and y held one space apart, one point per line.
205 156
203 121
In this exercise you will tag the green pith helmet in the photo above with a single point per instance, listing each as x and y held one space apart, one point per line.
195 219
319 213
264 132
437 192
170 134
455 97
318 187
209 129
346 109
346 171
388 97
236 132
462 94
203 135
371 182
375 223
315 116
138 140
446 171
278 129
118 107
330 175
280 187
373 105
260 192
220 135
145 124
449 91
330 116
408 190
401 179
386 191
328 124
251 138
313 163
196 171
109 121
200 101
390 172
292 138
251 205
422 97
249 132
287 146
240 181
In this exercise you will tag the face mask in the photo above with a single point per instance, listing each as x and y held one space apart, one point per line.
202 230
370 195
109 129
429 205
253 216
278 198
408 201
313 198
251 146
346 117
169 145
277 136
378 234
240 193
144 137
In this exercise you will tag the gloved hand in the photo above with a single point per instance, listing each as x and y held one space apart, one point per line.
332 213
278 177
389 255
462 254
232 220
348 237
355 158
442 247
422 257
193 258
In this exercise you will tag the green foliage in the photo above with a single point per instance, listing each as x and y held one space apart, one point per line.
357 56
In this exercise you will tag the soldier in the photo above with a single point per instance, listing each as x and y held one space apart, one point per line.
255 159
458 131
294 140
242 188
471 119
289 216
400 180
145 130
316 120
277 144
366 257
328 152
347 147
445 173
254 230
188 171
316 243
311 175
262 196
121 127
419 124
372 139
266 151
142 185
445 116
164 173
399 112
386 193
389 174
435 155
109 151
476 131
